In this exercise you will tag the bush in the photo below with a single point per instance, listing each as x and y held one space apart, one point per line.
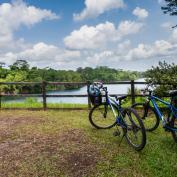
164 74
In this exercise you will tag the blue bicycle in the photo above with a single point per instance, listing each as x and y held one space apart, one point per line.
108 112
151 113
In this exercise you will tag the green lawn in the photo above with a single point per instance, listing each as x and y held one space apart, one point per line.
40 105
33 103
63 143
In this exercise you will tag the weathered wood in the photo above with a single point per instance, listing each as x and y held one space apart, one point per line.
67 83
21 95
44 95
79 83
133 91
89 101
44 84
41 95
20 83
0 97
0 101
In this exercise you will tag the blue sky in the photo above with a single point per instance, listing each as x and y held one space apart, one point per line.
67 34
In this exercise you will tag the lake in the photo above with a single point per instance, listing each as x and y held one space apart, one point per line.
112 89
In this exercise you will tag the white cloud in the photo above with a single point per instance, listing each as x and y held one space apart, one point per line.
96 7
124 46
167 25
42 54
161 2
174 35
140 13
129 27
90 37
91 45
158 50
14 15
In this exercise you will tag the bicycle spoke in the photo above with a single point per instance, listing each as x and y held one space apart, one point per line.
135 134
102 117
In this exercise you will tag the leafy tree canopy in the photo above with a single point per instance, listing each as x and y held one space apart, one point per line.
171 7
20 71
165 74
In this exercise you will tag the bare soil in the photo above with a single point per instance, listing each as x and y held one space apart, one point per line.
35 154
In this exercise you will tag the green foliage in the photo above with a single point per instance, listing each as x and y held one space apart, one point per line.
106 74
165 74
20 71
20 65
171 7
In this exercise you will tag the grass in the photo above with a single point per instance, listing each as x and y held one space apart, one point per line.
40 105
63 143
33 103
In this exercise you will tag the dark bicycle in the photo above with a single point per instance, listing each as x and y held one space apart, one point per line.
108 112
151 114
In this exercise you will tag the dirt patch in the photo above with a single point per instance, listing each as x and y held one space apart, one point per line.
70 153
10 122
83 155
14 120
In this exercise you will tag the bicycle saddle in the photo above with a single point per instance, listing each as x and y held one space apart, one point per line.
173 92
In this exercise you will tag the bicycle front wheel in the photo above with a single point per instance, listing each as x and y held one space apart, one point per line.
102 116
148 115
135 131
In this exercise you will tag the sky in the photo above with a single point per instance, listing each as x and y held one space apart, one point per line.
67 34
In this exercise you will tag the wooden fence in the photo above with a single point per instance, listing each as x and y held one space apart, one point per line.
44 94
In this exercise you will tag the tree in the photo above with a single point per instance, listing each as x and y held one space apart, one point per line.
2 64
170 8
165 74
20 65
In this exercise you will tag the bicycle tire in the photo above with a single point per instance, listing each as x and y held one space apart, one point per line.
104 120
174 125
151 120
134 124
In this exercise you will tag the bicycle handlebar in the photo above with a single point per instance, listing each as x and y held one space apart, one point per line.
146 90
98 84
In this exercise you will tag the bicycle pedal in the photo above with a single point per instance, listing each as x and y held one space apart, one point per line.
116 133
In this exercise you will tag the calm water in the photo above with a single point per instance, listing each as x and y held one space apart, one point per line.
113 89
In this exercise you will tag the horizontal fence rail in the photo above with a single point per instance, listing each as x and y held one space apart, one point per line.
44 94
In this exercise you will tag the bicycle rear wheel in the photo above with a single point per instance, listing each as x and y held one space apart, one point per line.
148 115
102 116
135 131
174 126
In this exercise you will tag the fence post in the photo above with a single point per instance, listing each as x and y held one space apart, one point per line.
133 91
44 84
0 98
89 102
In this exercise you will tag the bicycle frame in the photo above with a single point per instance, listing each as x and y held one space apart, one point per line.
111 101
172 109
